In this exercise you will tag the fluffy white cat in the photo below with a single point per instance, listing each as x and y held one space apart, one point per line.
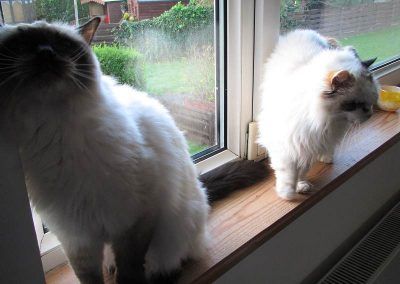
313 90
104 163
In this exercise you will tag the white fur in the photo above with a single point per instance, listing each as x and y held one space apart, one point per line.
297 123
125 156
105 159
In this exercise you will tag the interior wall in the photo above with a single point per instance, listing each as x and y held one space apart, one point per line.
306 249
19 253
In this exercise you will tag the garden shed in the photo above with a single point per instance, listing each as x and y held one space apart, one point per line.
147 9
111 10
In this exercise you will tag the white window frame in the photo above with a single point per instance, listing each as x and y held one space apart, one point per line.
252 32
240 58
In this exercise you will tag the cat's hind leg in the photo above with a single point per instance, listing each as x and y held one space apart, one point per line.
130 249
86 261
178 237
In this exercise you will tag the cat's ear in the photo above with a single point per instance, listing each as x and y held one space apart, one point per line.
333 43
369 62
88 29
353 50
341 79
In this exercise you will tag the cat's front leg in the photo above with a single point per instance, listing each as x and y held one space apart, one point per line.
303 185
326 157
86 261
286 180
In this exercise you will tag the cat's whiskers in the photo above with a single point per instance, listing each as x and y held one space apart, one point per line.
6 59
78 83
76 51
75 56
11 53
83 72
84 76
83 85
16 74
79 55
84 64
8 67
9 50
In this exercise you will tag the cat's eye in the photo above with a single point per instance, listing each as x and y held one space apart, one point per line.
349 106
365 108
353 105
330 93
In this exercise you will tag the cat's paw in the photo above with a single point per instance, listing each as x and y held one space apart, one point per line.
289 194
165 278
109 260
304 187
327 159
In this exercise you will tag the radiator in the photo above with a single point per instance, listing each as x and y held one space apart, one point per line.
375 259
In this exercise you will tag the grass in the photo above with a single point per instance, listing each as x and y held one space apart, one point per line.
181 76
195 148
383 44
168 77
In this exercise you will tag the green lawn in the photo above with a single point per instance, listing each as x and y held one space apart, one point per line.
383 44
195 148
180 76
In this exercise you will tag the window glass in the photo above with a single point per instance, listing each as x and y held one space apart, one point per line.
169 49
371 26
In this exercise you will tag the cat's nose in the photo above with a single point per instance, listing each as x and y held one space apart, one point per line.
45 50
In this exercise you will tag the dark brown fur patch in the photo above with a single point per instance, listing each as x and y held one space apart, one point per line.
233 176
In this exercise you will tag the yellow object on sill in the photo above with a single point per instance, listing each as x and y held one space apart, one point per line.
389 98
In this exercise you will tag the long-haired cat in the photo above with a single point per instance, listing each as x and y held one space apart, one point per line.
104 163
313 91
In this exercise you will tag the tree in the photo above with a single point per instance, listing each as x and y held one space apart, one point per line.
59 10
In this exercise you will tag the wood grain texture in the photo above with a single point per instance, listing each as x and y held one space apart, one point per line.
245 220
64 274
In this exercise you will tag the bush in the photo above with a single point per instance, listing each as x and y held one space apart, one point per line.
185 18
59 10
173 34
125 64
176 21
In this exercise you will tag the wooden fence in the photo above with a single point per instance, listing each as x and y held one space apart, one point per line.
196 119
18 11
349 20
150 9
104 33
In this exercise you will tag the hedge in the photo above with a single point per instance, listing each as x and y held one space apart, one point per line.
178 20
171 34
125 64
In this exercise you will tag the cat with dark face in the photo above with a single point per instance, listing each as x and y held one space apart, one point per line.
103 162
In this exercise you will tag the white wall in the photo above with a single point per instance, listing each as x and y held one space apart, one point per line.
19 253
306 248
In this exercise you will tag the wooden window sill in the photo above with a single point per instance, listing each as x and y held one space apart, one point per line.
245 220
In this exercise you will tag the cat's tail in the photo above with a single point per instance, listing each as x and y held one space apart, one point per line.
233 176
